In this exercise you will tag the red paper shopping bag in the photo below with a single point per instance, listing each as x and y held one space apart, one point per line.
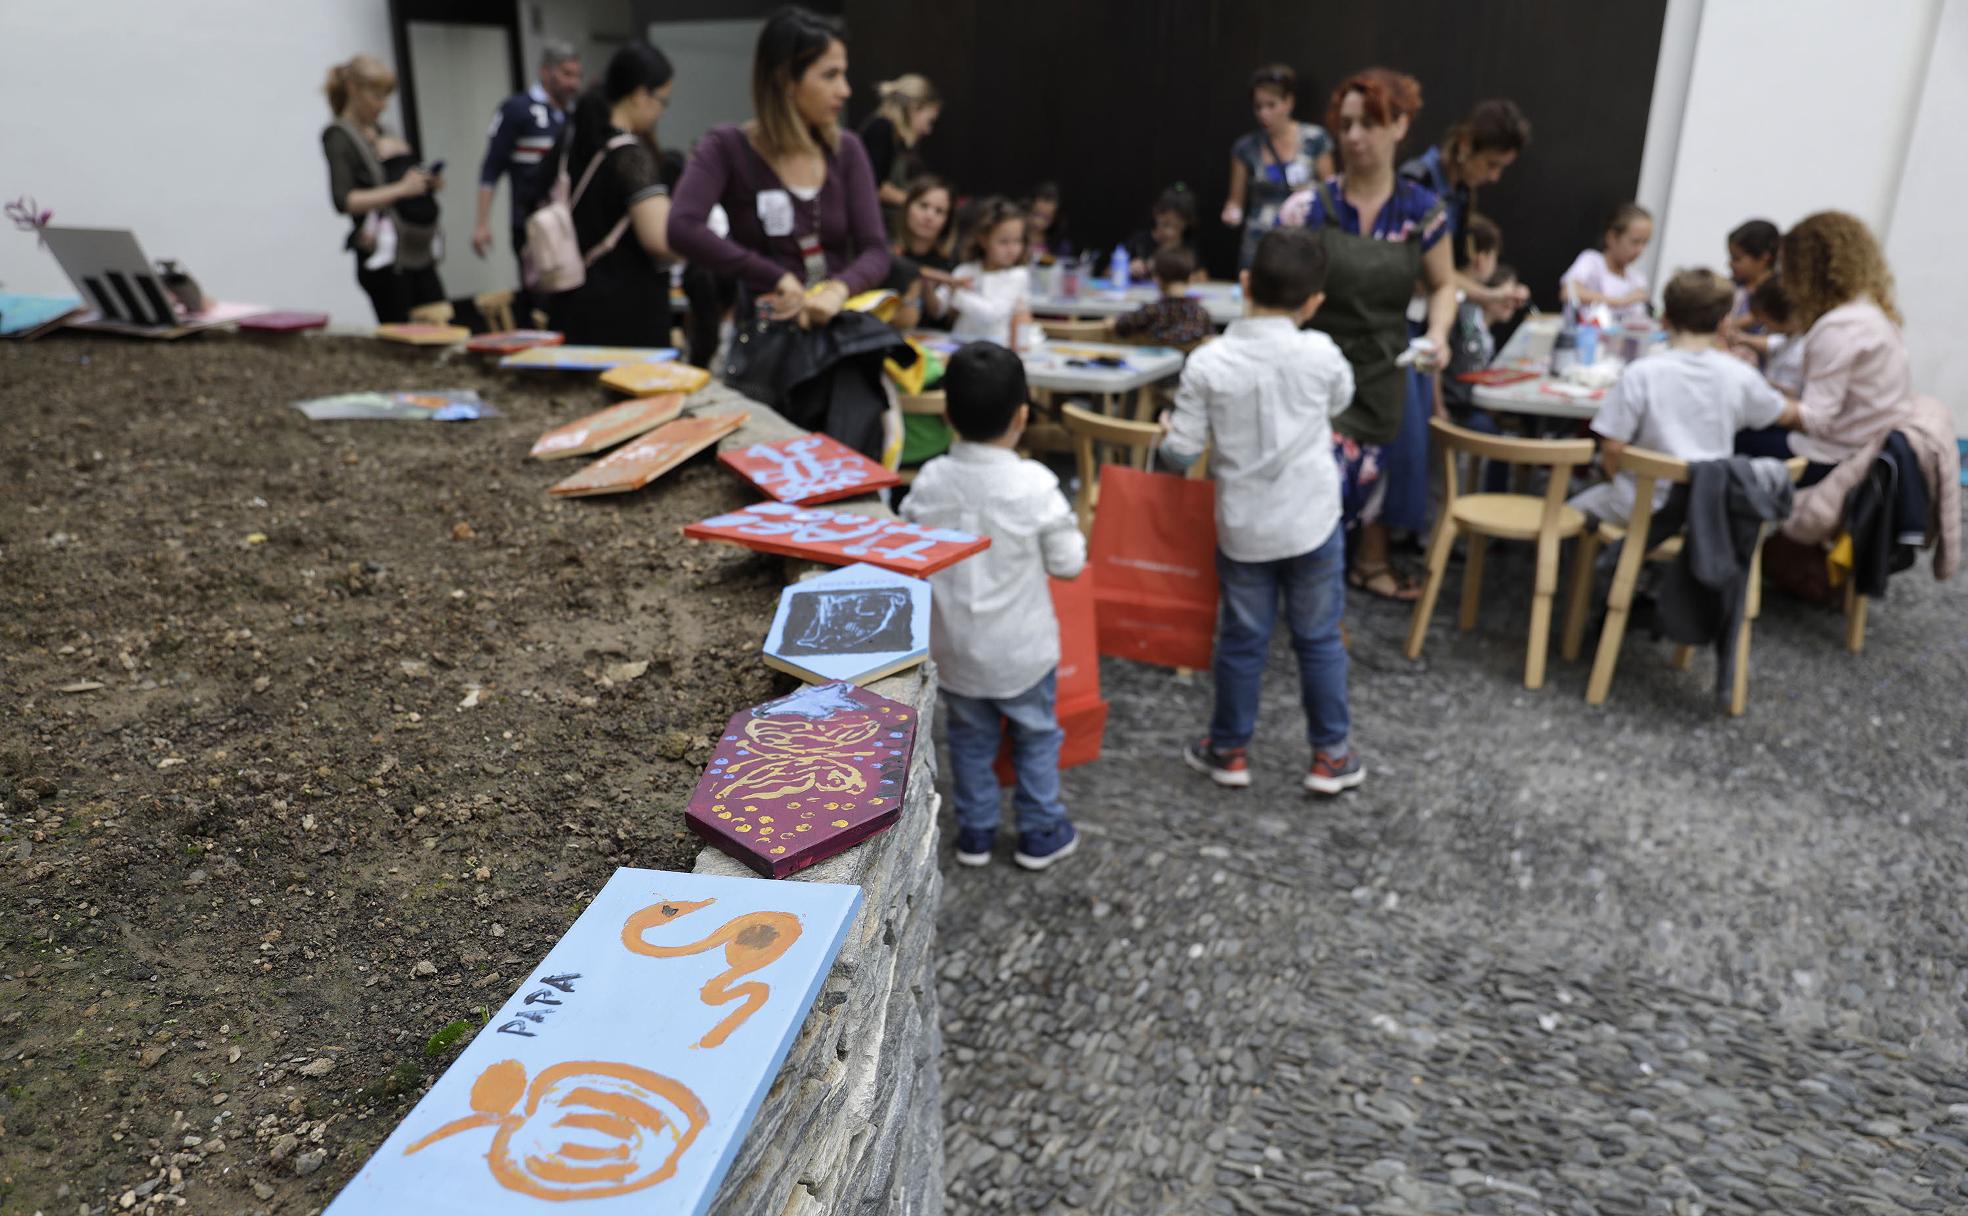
1079 707
1153 561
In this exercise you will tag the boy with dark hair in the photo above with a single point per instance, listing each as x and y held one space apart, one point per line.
1688 401
1261 399
1175 319
993 634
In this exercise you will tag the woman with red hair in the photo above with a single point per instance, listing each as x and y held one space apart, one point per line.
1383 233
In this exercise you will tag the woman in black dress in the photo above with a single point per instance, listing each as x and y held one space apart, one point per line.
621 207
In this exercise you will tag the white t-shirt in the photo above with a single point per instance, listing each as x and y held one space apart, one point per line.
1591 273
1688 404
985 308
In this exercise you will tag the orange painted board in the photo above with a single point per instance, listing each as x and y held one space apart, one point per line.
646 379
656 453
840 538
424 335
605 429
511 341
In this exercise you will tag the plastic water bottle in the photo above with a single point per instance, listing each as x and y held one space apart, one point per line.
1118 274
1069 278
1565 350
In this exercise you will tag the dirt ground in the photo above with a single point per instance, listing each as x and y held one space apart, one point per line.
317 735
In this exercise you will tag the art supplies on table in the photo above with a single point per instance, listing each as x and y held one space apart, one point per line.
839 537
809 469
616 424
443 405
649 379
625 1072
583 358
856 624
802 778
511 341
1497 377
28 317
654 454
283 321
419 334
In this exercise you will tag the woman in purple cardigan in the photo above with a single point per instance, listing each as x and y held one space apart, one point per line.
806 223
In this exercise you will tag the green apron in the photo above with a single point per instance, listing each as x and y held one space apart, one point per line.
1368 285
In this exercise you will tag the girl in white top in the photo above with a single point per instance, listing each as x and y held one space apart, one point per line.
993 293
1612 276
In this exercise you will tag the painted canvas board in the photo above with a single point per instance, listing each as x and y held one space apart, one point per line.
24 315
110 271
808 469
799 779
623 1075
648 379
283 321
510 341
839 537
416 334
856 624
636 465
616 424
584 358
444 405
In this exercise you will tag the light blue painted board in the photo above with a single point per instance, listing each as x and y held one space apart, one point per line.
622 1079
857 624
585 358
18 314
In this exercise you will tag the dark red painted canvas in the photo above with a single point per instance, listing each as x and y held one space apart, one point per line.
799 779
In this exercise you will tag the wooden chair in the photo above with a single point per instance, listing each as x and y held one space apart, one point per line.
1087 429
438 313
497 309
1543 519
1649 469
928 404
1058 330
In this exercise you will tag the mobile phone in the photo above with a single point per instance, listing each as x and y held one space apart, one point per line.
436 168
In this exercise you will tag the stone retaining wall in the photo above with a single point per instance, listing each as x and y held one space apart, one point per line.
853 1125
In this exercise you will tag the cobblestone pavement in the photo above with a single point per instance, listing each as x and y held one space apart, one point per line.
1551 959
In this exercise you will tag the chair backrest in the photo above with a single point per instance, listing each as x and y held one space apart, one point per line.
1088 428
1554 454
1651 469
1074 331
1187 348
930 403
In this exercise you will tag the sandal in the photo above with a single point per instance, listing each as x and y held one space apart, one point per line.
1384 582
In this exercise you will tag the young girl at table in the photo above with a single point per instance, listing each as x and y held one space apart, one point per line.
1780 351
993 295
1611 275
1172 221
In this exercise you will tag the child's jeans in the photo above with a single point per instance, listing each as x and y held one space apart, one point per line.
1035 740
1313 588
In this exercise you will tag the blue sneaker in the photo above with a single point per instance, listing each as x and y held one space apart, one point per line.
974 846
1038 850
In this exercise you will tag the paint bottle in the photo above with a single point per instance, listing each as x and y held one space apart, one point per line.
1117 273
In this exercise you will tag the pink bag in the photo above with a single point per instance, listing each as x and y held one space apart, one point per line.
554 261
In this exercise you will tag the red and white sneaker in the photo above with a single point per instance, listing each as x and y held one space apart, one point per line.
1334 774
1226 767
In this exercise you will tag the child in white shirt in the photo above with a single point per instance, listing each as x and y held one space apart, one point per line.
1688 401
992 300
1611 275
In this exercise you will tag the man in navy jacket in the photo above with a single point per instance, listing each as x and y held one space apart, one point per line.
521 144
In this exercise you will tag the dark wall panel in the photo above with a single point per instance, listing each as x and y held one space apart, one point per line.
1116 99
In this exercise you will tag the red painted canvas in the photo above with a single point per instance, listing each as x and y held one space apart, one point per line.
799 779
606 428
840 538
283 322
636 465
808 470
508 341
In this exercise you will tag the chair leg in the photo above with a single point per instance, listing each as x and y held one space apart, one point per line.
1684 658
1542 593
1739 678
1472 580
1855 616
1625 578
1587 557
1438 565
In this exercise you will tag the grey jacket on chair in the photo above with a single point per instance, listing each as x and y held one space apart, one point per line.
1705 591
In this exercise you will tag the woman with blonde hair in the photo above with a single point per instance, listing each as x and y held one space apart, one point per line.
373 178
908 112
805 231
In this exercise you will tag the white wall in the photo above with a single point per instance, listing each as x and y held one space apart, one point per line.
1924 242
713 61
206 140
595 27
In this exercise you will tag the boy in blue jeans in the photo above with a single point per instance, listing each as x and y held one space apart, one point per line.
992 631
1262 399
